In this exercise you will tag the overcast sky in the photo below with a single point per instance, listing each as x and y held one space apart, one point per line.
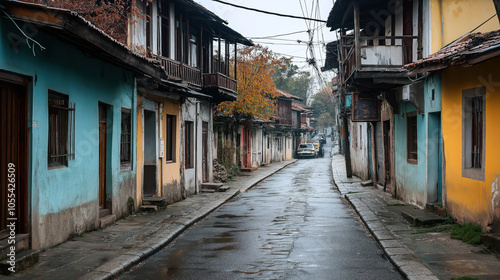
254 25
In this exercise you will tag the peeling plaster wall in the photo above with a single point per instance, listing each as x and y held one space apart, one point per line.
470 200
359 149
197 112
64 201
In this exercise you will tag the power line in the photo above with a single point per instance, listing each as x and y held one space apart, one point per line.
267 12
279 35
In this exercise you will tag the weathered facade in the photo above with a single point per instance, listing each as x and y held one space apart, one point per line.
72 128
468 108
175 123
431 142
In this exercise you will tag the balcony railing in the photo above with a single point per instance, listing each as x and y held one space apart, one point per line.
377 52
181 71
218 80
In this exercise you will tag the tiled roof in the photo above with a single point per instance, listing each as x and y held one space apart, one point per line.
285 94
300 107
75 16
470 49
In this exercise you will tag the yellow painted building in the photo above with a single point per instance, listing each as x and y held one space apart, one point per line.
471 197
455 18
470 116
158 142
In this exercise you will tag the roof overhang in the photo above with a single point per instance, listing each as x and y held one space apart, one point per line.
71 28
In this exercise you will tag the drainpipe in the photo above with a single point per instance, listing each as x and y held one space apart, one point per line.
442 22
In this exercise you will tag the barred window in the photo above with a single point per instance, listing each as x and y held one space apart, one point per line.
126 137
171 125
189 145
473 133
61 130
412 139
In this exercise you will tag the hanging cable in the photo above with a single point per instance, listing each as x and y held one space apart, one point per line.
265 12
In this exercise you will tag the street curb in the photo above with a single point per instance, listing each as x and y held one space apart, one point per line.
409 266
122 263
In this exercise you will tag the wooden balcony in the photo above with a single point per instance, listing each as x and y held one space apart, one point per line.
376 58
220 81
181 71
221 87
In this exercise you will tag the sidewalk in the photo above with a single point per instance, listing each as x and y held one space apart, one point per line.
416 255
107 253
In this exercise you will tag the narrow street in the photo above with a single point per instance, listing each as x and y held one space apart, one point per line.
294 225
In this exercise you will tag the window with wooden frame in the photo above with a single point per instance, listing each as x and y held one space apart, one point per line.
181 29
165 29
189 144
126 137
411 138
473 133
149 32
61 130
170 147
193 46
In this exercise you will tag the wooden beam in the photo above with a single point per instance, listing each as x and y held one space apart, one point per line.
236 61
420 45
357 35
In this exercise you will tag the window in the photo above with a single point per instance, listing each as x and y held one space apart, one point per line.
473 133
189 145
61 130
165 29
126 137
171 127
411 138
149 32
193 46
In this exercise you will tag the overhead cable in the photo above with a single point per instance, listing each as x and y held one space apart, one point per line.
267 12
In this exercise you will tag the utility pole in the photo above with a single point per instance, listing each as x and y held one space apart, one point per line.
345 136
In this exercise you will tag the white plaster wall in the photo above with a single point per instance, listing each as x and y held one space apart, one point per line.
189 113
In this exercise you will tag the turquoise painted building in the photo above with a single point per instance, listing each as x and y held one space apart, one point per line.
418 142
68 103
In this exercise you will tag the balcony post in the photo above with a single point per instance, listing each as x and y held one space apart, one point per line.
235 61
219 54
357 45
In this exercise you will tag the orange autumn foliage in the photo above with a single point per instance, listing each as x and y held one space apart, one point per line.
256 89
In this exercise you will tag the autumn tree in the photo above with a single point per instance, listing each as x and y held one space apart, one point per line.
256 89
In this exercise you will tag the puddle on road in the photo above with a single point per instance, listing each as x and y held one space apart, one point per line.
229 216
224 225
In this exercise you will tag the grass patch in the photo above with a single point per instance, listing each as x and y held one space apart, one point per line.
396 204
468 233
439 229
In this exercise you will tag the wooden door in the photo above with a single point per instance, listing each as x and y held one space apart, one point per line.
102 155
247 155
13 156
